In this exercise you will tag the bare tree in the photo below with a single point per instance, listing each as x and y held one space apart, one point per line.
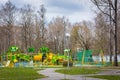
37 33
101 34
81 36
41 29
104 6
7 19
27 26
56 34
74 38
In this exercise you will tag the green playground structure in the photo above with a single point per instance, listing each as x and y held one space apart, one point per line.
14 58
85 56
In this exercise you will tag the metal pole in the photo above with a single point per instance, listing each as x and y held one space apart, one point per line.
68 59
64 46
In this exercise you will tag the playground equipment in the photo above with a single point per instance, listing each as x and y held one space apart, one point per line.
31 50
37 57
7 64
13 58
102 57
85 57
67 62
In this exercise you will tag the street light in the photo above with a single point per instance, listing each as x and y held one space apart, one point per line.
55 44
67 35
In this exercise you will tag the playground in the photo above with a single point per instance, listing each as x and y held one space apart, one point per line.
59 40
44 58
45 63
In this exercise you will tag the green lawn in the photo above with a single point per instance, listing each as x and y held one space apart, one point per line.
108 77
78 71
19 74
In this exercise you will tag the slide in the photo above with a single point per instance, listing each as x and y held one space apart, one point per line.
7 64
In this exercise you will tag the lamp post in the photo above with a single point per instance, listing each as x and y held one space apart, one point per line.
67 43
55 47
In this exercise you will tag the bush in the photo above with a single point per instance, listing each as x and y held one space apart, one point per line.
65 63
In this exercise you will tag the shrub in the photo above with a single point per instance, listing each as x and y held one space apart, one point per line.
65 63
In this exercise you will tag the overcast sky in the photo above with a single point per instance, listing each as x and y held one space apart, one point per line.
74 10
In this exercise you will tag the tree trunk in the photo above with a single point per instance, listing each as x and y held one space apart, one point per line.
115 36
110 44
110 47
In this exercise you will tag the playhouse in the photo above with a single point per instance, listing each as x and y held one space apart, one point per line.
85 56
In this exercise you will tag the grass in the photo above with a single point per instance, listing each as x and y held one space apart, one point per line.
108 77
119 63
19 74
78 70
52 66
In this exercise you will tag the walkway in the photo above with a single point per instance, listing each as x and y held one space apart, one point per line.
52 75
110 72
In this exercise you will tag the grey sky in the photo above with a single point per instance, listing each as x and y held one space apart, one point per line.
74 10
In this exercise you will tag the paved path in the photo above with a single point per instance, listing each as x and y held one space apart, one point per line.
58 76
110 72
